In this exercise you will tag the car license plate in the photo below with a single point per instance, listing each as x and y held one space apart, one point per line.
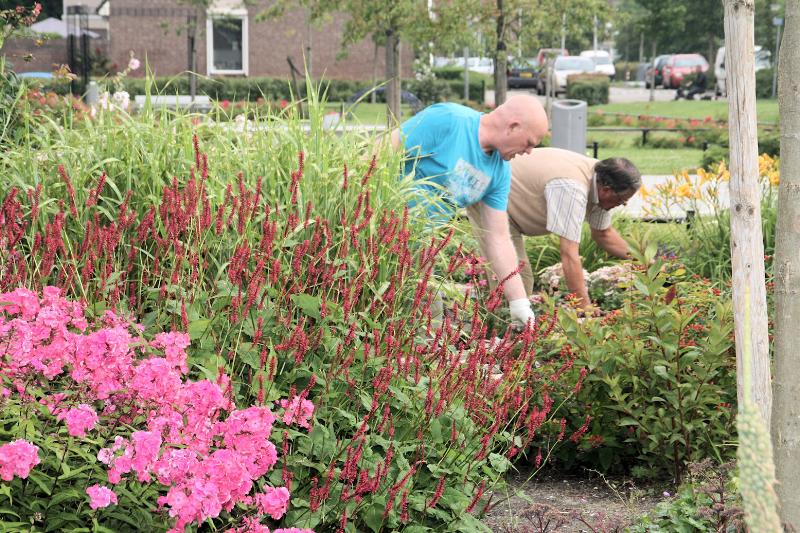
525 75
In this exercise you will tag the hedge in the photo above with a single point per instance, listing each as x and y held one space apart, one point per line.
428 91
764 83
592 88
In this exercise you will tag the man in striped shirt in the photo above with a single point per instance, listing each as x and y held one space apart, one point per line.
555 191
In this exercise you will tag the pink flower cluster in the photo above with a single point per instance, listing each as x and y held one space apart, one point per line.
17 458
209 463
297 410
79 419
100 497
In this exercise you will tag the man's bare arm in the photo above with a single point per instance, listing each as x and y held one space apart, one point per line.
573 272
500 250
612 242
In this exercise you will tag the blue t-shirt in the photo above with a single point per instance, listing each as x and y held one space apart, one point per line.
442 145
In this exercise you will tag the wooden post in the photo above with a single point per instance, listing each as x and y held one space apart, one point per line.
786 414
747 245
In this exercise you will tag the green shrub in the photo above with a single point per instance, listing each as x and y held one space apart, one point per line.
769 143
592 88
713 155
764 83
706 503
660 376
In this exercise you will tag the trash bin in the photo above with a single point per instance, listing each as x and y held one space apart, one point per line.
568 119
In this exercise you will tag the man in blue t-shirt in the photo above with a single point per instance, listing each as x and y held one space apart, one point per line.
460 157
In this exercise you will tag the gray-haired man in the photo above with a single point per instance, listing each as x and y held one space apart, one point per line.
555 191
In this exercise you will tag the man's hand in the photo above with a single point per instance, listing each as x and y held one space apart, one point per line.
521 312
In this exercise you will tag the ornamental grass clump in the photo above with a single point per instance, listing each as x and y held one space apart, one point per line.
312 286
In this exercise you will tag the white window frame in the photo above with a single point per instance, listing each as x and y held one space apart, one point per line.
213 14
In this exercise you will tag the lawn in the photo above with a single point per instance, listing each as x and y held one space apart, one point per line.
767 109
655 161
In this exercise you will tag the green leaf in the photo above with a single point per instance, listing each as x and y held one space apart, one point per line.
248 354
661 371
499 462
373 516
197 328
628 421
309 304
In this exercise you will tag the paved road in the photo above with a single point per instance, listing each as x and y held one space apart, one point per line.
616 94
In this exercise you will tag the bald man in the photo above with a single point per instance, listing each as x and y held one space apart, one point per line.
460 158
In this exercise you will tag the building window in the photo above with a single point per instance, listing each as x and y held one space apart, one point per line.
227 43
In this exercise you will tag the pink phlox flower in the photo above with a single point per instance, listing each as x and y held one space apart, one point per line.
22 302
146 447
155 380
174 345
298 410
79 419
106 455
273 502
133 64
250 525
175 466
247 432
17 458
103 360
100 497
293 530
217 482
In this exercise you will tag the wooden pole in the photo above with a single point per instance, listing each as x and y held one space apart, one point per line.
747 245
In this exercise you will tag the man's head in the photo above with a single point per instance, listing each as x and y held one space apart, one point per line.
617 181
515 127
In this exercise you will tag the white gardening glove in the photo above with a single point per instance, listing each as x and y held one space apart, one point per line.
521 312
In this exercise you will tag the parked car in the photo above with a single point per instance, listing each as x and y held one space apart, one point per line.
523 73
564 66
679 66
763 60
656 73
602 62
549 53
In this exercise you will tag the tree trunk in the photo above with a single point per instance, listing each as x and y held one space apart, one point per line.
653 74
786 413
191 46
500 58
392 77
747 245
373 95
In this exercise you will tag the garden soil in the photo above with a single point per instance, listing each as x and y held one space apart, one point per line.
571 503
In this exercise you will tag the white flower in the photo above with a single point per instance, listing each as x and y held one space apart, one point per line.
122 99
103 100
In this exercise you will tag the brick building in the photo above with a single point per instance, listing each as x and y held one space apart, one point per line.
230 41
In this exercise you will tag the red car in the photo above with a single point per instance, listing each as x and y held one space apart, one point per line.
681 65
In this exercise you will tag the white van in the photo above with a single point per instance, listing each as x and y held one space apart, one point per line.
763 60
602 62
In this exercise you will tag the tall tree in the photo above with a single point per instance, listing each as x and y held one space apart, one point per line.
785 415
747 248
387 22
530 24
